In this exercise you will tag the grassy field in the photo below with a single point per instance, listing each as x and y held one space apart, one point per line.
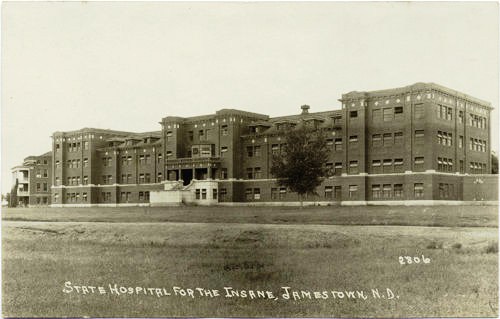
463 216
269 253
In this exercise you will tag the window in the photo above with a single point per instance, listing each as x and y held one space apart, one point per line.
256 151
85 145
147 159
460 117
418 190
460 141
141 196
398 112
376 191
329 142
148 178
159 177
223 150
419 137
169 135
203 193
419 111
274 193
38 187
214 193
159 158
248 194
338 168
388 114
387 166
398 138
387 190
353 167
57 181
376 115
223 194
58 147
353 191
449 114
191 136
249 173
223 173
328 192
419 163
142 178
398 190
337 119
398 165
338 144
224 130
45 188
256 193
353 114
58 164
282 193
250 151
387 139
197 193
201 135
337 192
257 173
353 141
85 180
376 140
56 198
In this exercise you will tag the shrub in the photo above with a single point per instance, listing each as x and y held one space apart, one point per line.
492 248
457 245
435 245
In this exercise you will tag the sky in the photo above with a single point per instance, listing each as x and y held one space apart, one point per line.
125 65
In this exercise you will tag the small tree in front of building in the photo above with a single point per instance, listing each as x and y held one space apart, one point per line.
300 166
494 163
13 195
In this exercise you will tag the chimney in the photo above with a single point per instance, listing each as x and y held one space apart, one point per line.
305 109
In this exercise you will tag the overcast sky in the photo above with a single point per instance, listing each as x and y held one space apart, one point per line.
126 65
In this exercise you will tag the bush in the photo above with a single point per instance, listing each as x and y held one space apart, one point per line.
457 246
435 245
492 248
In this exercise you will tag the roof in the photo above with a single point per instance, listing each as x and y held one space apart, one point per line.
414 87
94 130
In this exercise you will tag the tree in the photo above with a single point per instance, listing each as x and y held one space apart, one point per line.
301 164
494 164
13 194
6 197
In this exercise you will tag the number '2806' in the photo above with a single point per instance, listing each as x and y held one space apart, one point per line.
407 260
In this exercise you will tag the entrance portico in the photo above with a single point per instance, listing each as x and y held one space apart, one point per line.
187 169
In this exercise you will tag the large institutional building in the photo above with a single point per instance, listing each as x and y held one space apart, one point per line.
423 142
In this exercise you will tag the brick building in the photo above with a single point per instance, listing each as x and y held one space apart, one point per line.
34 180
423 142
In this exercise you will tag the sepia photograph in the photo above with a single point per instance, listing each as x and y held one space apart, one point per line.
249 159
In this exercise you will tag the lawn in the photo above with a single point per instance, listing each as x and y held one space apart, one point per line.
220 250
463 216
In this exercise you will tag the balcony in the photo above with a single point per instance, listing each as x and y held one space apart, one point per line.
190 162
22 193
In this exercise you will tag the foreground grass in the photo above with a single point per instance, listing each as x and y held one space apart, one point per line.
38 257
463 216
